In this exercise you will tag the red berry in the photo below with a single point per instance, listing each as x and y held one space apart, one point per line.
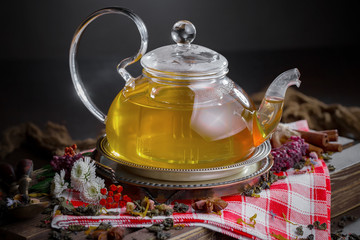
122 204
110 193
108 206
103 191
117 197
119 188
103 202
115 205
113 187
109 199
126 198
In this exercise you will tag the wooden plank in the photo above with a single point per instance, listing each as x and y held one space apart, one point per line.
345 180
188 233
25 230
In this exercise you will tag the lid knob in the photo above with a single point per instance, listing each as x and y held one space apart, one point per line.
183 32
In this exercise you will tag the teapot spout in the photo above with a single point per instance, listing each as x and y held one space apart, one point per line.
278 87
269 114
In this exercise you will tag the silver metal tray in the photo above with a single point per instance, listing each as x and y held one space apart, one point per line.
242 169
138 187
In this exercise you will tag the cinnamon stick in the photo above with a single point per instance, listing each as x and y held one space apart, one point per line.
332 134
312 148
333 147
315 138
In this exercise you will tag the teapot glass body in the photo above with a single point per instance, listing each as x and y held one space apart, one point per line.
184 124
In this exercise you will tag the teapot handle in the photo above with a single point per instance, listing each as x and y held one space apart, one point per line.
78 84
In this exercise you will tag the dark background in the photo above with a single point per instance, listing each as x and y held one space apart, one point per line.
260 39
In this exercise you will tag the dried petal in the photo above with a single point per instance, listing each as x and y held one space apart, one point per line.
199 205
220 204
116 233
209 206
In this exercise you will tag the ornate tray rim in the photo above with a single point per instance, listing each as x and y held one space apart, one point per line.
258 154
149 183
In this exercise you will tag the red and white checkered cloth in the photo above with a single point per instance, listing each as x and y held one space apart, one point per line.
302 198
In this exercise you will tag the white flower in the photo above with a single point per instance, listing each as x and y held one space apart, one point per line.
11 202
82 172
91 191
59 184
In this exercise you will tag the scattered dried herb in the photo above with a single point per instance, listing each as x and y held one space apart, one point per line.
310 226
255 195
264 183
279 237
257 189
353 236
351 218
161 235
319 226
112 213
249 192
341 224
338 235
251 222
146 207
180 207
89 210
309 237
179 226
326 156
286 220
104 226
299 231
331 167
59 235
299 165
77 228
159 228
272 214
168 223
323 226
155 228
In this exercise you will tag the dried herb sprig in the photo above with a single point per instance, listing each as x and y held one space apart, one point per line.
331 167
265 182
251 223
180 207
59 235
278 236
286 220
77 228
299 230
159 228
319 226
146 207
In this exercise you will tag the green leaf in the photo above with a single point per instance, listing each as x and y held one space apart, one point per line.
43 186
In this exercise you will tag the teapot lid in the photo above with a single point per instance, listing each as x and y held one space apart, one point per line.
184 60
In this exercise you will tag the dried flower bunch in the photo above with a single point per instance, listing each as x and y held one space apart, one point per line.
82 173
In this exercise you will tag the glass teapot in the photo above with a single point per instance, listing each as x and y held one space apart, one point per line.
183 112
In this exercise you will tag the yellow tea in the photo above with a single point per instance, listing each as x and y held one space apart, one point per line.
268 119
173 127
